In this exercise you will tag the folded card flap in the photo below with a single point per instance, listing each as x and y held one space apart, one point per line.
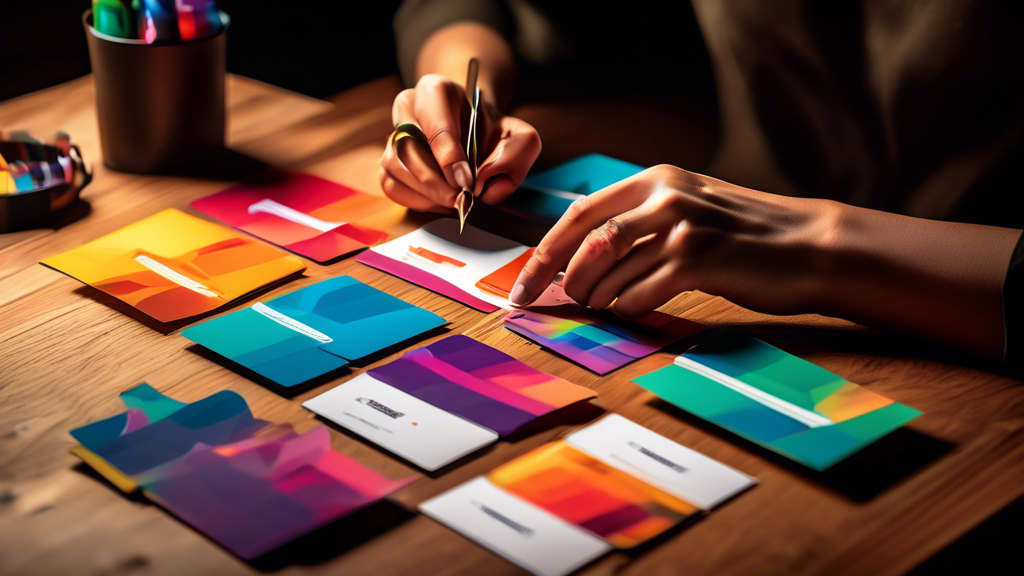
116 477
145 406
678 470
214 420
156 406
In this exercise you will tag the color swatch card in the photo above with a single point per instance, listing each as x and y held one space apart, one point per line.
172 265
472 267
614 484
545 196
310 216
418 431
597 340
310 332
777 400
438 403
196 460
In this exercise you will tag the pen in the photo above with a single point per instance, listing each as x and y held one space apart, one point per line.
464 201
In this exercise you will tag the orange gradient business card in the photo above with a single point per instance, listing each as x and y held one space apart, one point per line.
173 265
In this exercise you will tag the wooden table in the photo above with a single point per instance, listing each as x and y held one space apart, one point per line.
66 351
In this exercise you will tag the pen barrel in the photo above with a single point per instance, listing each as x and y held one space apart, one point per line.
160 107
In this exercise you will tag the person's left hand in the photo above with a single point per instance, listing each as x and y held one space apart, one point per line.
642 241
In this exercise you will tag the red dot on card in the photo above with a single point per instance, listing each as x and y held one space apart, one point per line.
415 424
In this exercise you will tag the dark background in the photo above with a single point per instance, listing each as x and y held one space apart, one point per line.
320 48
343 43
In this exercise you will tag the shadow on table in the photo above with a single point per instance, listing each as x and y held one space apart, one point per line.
805 339
336 538
861 476
217 164
165 328
318 546
284 391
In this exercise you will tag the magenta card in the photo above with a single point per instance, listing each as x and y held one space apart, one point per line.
313 217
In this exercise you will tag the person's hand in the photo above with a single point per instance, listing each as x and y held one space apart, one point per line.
644 240
429 178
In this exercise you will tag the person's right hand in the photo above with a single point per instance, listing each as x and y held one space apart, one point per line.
429 178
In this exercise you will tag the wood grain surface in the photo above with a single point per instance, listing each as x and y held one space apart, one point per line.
67 350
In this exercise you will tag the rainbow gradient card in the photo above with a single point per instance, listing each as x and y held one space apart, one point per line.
610 484
196 460
597 340
585 491
478 383
777 400
173 266
310 216
310 332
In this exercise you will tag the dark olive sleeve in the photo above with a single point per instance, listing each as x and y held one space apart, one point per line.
416 20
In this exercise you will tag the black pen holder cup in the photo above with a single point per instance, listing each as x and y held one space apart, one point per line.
160 106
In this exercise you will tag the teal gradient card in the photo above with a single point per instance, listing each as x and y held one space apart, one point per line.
777 400
310 332
545 196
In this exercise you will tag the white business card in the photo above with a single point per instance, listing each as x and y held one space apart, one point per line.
411 428
651 457
515 529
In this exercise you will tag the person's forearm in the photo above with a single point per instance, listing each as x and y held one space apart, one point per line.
448 50
938 280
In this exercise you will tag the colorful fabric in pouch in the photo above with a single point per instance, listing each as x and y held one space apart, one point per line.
777 400
478 383
192 458
173 265
309 216
597 497
310 332
598 341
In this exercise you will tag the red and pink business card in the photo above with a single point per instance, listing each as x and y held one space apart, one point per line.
310 216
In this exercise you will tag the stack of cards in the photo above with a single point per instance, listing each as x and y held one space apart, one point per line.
475 267
310 216
597 340
310 332
196 460
172 265
614 484
441 402
777 400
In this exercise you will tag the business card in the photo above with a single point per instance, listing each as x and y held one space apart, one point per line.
660 462
515 529
407 426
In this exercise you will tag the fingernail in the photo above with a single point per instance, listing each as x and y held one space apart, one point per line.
518 295
463 177
558 279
